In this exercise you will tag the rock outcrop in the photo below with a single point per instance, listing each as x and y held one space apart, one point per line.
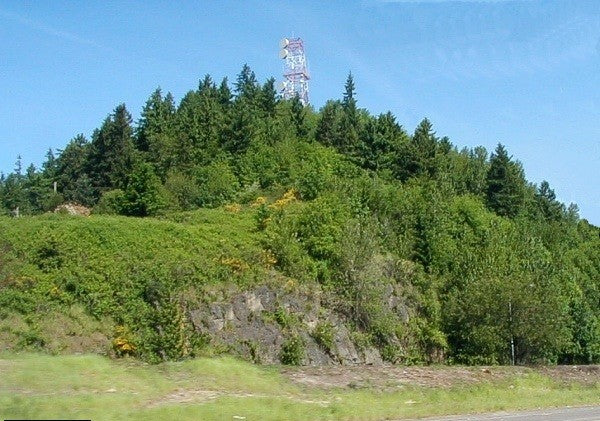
256 324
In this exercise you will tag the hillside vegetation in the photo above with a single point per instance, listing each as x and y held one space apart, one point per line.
418 250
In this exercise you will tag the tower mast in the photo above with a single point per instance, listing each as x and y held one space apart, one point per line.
295 70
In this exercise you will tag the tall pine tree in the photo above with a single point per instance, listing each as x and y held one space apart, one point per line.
111 152
505 192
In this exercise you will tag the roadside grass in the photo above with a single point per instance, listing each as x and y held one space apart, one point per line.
87 386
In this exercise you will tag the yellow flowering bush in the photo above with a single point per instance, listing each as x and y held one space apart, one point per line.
260 200
121 343
289 196
233 207
237 265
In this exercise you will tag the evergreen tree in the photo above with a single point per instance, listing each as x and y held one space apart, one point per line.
417 157
200 123
505 192
298 116
50 166
550 208
241 130
382 138
72 180
155 132
425 145
206 84
111 152
224 94
143 195
328 132
348 140
348 101
244 121
3 209
14 192
35 190
268 98
246 85
18 167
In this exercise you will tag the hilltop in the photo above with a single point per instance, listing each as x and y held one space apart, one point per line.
237 222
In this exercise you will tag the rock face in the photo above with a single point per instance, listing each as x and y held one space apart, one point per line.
257 324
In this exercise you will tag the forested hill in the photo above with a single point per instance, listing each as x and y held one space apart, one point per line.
339 200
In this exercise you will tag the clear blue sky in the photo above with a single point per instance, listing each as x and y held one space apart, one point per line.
524 73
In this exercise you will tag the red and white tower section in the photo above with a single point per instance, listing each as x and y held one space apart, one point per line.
295 70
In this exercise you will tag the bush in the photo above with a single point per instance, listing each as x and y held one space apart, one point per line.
110 203
144 194
217 184
292 351
324 335
284 318
183 189
313 173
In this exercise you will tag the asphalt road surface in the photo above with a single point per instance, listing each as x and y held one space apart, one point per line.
588 413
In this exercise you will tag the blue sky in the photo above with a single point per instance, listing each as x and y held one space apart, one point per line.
524 73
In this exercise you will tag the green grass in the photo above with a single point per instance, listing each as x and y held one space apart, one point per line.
41 386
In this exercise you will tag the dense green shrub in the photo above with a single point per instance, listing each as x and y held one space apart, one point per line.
292 350
183 190
324 334
144 195
110 203
141 274
217 184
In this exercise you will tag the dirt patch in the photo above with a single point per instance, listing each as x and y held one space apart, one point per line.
393 377
583 374
184 396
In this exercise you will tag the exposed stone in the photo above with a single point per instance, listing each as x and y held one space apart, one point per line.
246 323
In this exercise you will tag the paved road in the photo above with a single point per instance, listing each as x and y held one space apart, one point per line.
588 413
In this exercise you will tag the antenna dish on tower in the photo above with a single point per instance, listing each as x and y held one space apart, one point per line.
295 70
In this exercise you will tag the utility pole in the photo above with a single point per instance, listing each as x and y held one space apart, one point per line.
512 339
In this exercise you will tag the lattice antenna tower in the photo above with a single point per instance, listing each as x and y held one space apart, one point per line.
295 70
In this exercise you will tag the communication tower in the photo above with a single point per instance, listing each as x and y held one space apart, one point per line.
295 69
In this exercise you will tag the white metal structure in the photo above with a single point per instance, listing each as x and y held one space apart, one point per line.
295 71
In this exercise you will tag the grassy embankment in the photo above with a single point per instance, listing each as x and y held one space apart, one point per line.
72 284
41 386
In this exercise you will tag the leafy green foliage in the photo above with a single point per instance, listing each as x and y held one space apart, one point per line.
144 194
111 152
292 350
216 184
110 203
135 272
324 334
